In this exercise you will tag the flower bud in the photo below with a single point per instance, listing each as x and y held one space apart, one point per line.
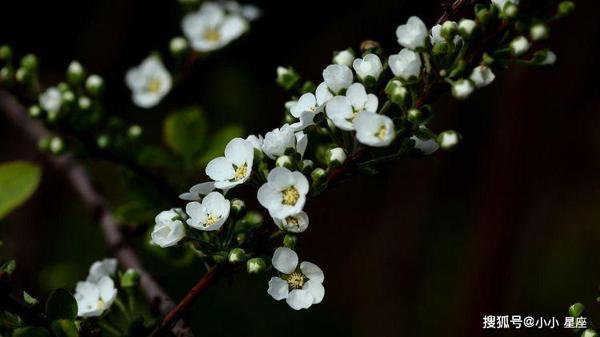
566 8
589 333
396 92
134 132
75 73
466 27
238 207
103 141
240 238
237 255
290 241
284 161
44 144
449 30
415 116
318 174
253 219
35 111
544 57
462 89
576 310
308 86
178 46
306 166
68 97
256 265
7 75
5 53
84 103
56 145
448 140
63 87
484 15
344 57
94 85
510 10
538 32
23 76
336 156
29 62
130 279
220 257
287 77
440 48
519 46
370 46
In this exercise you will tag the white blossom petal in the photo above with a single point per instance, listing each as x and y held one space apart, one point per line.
278 288
285 260
300 299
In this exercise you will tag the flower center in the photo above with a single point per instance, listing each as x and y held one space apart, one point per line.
153 85
381 132
292 221
212 219
296 280
212 35
290 196
240 172
100 305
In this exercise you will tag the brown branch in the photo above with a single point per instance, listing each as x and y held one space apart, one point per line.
81 182
186 301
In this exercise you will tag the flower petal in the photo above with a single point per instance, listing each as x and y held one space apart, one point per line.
316 289
220 169
300 299
285 260
312 271
278 288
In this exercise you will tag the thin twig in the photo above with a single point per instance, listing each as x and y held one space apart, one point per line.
81 182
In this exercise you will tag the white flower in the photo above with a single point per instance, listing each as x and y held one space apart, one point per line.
448 139
482 76
149 82
211 28
519 45
405 64
209 215
337 77
373 129
51 100
345 57
296 223
412 34
168 230
284 193
436 35
426 146
550 58
279 140
99 269
235 167
307 107
93 298
502 3
337 155
467 26
257 141
198 191
370 65
302 286
342 110
462 89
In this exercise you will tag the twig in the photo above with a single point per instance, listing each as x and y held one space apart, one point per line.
82 184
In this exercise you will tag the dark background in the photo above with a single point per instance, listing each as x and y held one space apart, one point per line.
507 224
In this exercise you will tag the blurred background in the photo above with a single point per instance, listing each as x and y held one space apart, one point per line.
507 224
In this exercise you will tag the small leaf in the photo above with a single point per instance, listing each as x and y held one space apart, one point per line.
61 305
30 299
30 332
185 131
218 142
64 328
18 181
8 267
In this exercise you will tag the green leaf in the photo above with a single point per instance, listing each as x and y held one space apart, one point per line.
218 142
30 332
61 305
185 131
64 328
18 181
30 299
8 267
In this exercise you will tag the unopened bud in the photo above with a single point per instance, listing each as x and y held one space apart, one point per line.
484 16
449 30
84 103
336 157
566 8
134 131
7 75
544 57
23 75
396 92
448 140
94 85
415 116
44 144
576 310
466 27
35 111
462 89
589 333
344 57
538 32
370 46
56 145
103 141
220 257
29 62
240 238
75 73
290 241
178 46
238 207
284 161
287 77
519 46
510 10
68 97
5 53
318 174
237 255
130 279
307 166
256 265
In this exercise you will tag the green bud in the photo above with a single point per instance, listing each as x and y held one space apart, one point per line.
254 219
75 73
5 53
56 145
63 87
290 241
538 32
306 166
318 174
308 86
589 333
134 132
23 76
130 279
44 144
485 16
178 46
336 157
7 75
238 207
35 111
84 103
256 265
487 59
466 27
449 30
519 46
68 97
344 57
370 47
103 141
284 161
29 62
566 8
240 238
220 257
448 140
94 85
415 116
510 10
576 310
396 92
440 48
237 255
287 77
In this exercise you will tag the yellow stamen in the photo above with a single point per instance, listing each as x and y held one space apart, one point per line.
153 85
212 219
240 172
212 34
292 221
296 280
290 196
381 132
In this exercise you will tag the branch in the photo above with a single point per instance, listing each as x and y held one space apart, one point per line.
81 182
